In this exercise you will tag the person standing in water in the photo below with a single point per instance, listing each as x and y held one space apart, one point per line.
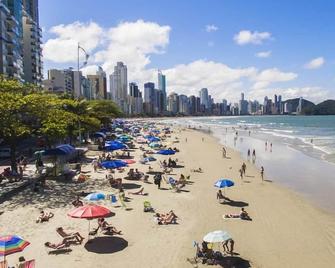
266 145
262 173
249 154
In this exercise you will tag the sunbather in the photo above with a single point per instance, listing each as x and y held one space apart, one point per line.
242 215
139 192
64 244
116 183
199 170
44 216
105 226
168 218
77 203
76 236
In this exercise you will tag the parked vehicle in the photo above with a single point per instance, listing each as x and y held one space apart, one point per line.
4 152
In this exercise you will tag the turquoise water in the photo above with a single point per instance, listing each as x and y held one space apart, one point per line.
302 156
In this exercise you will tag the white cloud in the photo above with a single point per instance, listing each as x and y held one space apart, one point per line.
263 54
268 76
211 28
63 48
315 63
247 37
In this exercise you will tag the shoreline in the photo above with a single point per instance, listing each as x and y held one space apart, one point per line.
285 231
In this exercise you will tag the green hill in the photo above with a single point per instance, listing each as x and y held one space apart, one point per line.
325 108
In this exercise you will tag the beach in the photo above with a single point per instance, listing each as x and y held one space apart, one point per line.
286 230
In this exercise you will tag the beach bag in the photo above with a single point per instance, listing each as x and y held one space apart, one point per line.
113 199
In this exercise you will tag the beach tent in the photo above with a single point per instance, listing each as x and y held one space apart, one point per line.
64 149
166 152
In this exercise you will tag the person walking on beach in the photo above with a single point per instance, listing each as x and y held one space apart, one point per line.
253 156
202 138
249 153
271 147
244 168
224 152
262 173
266 145
241 173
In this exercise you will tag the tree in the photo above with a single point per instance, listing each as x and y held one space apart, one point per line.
104 110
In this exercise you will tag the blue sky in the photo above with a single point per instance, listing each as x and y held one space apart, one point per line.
172 36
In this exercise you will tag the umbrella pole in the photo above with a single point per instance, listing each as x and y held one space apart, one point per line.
89 227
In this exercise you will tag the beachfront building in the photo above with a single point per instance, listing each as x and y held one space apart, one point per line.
162 88
135 100
20 42
204 100
32 51
118 86
70 82
183 105
173 103
243 105
149 98
99 84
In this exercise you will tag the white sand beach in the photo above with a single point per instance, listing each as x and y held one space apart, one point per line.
285 231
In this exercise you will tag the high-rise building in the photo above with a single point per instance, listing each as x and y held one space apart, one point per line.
20 41
135 101
204 97
149 97
162 87
68 81
173 103
118 86
183 105
243 105
99 84
32 52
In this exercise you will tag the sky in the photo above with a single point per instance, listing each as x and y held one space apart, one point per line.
257 47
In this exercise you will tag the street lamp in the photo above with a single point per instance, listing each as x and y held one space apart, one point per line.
79 48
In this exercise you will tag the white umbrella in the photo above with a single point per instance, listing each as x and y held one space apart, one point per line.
217 237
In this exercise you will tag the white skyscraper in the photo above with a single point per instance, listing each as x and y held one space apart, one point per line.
118 86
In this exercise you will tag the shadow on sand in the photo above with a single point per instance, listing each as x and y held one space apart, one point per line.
106 244
234 262
129 186
234 203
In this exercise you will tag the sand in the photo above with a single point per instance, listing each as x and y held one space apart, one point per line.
285 231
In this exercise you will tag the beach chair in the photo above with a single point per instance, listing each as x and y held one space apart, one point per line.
173 185
147 207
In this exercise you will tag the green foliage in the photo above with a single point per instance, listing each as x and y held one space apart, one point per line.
25 110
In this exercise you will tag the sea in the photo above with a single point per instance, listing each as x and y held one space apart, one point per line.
297 152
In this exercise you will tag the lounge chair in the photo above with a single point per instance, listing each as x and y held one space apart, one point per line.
147 207
3 264
27 264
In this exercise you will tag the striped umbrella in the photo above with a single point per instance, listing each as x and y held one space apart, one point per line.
10 244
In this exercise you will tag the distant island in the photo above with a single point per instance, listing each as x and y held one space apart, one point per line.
326 107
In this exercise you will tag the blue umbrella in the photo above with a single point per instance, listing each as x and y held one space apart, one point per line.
114 145
166 152
222 183
153 139
149 158
95 197
113 164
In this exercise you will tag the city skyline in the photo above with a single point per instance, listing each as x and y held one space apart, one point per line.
259 53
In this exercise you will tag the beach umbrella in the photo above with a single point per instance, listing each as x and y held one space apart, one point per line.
95 197
90 212
10 244
217 237
153 139
166 152
149 159
113 164
222 183
118 129
115 145
154 144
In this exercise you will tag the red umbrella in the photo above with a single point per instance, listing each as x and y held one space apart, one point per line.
90 212
129 161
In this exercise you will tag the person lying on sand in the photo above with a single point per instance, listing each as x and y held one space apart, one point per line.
168 218
199 170
139 192
243 215
44 216
105 226
77 203
75 236
64 244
